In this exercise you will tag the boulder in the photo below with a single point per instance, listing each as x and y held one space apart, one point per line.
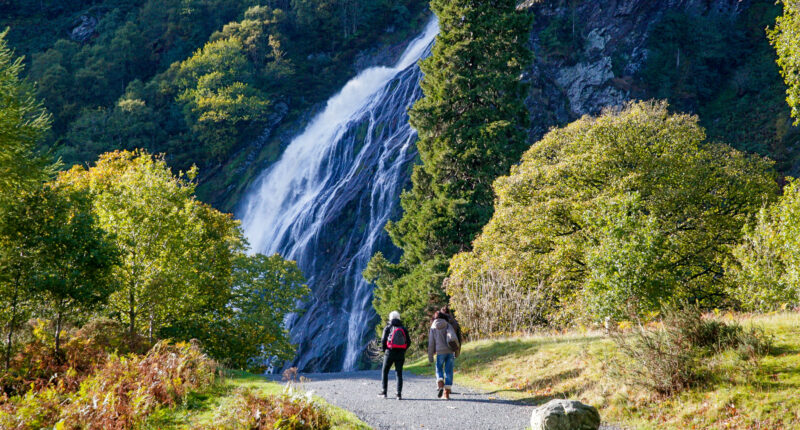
560 414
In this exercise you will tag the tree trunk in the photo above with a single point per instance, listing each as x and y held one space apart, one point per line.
12 322
59 317
131 313
150 329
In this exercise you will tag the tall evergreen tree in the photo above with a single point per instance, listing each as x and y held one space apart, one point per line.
471 125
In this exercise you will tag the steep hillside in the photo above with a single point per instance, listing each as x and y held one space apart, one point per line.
711 58
196 80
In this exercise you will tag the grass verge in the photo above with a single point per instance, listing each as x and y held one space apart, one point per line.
738 395
198 410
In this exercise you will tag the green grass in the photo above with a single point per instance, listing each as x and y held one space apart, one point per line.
738 395
198 410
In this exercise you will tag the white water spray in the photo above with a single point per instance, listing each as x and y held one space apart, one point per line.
346 168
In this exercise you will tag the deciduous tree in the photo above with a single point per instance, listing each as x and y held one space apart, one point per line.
623 212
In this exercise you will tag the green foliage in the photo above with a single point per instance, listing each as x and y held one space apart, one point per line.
674 356
218 96
561 39
158 227
619 213
687 55
23 122
724 70
786 40
248 332
63 254
250 411
471 127
183 273
765 271
137 84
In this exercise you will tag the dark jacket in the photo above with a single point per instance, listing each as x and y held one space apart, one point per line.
388 330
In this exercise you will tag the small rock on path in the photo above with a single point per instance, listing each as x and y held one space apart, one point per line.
419 409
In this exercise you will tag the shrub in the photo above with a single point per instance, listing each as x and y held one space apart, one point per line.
118 394
673 356
765 269
36 366
249 411
112 336
34 410
477 304
126 390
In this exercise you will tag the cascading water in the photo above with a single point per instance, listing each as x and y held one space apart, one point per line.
325 202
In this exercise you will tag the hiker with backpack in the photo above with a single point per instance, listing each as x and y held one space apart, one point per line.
452 320
394 343
443 341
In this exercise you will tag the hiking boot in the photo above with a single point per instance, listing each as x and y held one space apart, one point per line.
441 389
447 394
382 394
399 396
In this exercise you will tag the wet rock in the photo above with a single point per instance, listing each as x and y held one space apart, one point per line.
87 30
561 414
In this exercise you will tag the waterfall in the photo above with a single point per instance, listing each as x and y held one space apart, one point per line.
325 202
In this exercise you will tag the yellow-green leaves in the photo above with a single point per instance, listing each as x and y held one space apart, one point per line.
765 273
618 213
785 38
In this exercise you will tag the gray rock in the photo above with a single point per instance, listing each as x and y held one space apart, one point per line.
614 49
86 30
560 414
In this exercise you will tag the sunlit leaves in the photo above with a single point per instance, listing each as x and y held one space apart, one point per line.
765 273
620 213
785 37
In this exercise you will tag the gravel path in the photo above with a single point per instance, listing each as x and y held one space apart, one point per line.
420 409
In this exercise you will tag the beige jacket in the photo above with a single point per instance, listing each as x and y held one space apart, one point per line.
437 339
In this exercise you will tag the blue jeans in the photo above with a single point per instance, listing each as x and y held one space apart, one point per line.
444 368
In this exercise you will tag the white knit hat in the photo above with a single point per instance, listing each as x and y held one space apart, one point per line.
394 315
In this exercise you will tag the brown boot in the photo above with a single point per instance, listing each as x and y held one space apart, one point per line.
447 394
440 384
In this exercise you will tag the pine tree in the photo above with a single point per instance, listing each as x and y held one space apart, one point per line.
471 125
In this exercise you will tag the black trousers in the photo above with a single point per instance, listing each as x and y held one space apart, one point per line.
396 357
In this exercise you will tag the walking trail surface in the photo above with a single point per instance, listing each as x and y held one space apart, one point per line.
419 409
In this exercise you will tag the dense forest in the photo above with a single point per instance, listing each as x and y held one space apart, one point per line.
193 80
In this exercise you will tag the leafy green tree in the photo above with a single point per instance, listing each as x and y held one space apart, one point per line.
471 125
248 333
23 123
219 96
786 40
160 229
70 256
619 213
765 270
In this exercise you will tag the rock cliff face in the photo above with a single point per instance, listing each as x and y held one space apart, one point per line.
612 38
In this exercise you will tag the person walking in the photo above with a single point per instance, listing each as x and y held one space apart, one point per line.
443 342
394 343
453 322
